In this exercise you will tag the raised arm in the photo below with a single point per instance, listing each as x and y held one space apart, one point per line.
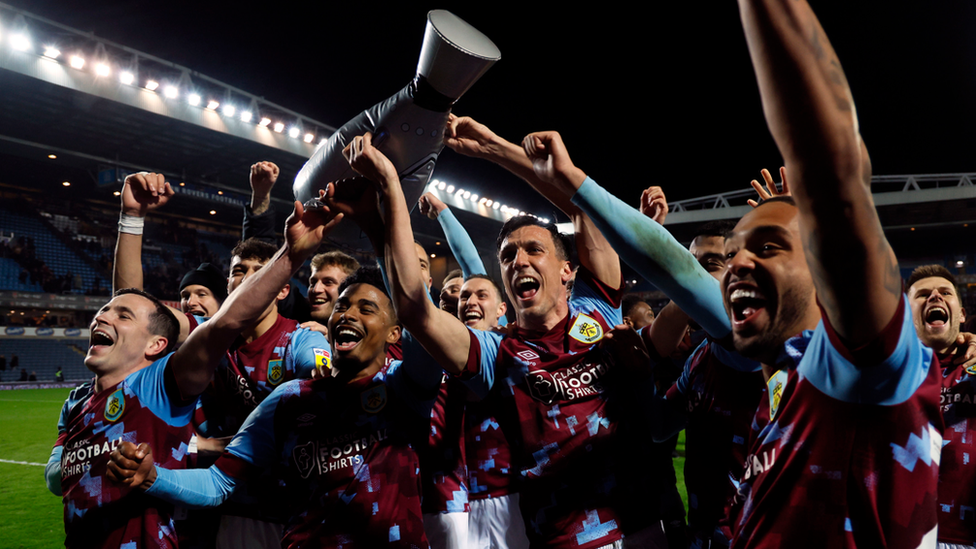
443 335
810 112
194 363
141 193
457 238
259 216
544 163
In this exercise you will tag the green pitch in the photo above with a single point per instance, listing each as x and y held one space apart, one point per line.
30 516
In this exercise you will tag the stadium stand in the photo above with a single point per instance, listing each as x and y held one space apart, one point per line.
45 355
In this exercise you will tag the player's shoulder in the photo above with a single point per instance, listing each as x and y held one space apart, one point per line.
80 394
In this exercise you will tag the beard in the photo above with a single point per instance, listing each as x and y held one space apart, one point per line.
784 323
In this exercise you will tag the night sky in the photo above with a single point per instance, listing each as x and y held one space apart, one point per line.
656 95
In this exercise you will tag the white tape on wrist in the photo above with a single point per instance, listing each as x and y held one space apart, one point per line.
131 224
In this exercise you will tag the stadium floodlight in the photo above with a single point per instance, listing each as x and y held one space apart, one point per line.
460 192
193 99
489 203
294 132
77 62
442 185
171 92
546 221
213 212
246 116
229 110
466 194
102 69
323 140
279 127
449 189
151 85
483 200
264 122
20 42
474 197
309 137
52 52
212 105
127 78
66 183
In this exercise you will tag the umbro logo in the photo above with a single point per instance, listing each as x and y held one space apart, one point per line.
527 355
305 418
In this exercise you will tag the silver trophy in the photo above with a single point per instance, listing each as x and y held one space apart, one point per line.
409 126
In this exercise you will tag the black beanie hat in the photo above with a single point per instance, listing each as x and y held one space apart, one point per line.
209 277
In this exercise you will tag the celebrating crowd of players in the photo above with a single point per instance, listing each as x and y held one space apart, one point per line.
825 406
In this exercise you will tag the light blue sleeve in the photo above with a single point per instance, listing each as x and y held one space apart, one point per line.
149 385
482 380
651 250
461 244
301 354
891 382
588 300
255 441
193 488
52 471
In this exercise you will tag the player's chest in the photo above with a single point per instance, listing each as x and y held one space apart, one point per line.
958 398
98 426
331 436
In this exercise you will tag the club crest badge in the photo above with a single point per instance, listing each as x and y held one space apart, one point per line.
586 330
775 385
971 370
276 371
115 406
304 456
322 359
374 399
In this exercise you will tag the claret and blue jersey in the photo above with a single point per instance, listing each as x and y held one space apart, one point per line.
580 487
845 446
141 408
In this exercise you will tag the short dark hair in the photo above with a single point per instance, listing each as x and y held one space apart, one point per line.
455 273
252 248
346 263
721 228
498 291
369 274
562 243
628 302
929 271
162 321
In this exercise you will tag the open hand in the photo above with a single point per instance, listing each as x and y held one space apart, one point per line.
770 189
305 229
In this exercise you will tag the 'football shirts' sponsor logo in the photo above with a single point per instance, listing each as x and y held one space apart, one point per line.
586 330
374 399
322 458
775 384
576 382
276 371
323 360
114 406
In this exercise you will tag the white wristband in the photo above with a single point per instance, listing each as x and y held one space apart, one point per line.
131 224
